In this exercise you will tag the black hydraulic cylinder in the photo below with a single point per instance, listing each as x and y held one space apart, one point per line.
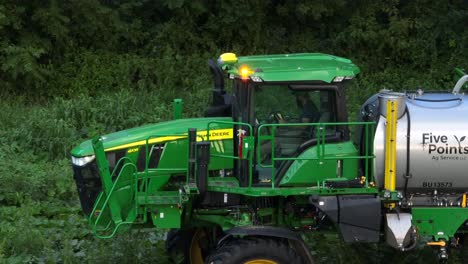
192 141
203 160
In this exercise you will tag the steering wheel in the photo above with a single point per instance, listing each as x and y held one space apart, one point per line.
276 118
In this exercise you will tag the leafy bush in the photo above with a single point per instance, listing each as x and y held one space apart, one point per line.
53 128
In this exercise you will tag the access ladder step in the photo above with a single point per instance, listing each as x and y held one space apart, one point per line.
162 198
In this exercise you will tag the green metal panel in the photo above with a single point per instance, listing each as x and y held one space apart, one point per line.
295 67
166 216
231 185
175 154
106 179
321 159
136 137
116 206
309 169
439 222
158 181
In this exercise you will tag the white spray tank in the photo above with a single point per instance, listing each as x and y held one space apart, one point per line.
431 141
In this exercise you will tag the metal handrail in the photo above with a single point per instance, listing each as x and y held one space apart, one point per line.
249 154
106 201
112 174
127 162
321 142
147 156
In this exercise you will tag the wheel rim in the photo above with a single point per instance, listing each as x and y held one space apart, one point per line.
196 256
261 261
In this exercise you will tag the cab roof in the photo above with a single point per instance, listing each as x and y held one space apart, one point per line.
293 67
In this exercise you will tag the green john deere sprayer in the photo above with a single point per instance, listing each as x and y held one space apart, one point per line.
276 157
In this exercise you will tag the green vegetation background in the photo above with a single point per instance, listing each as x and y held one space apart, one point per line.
73 69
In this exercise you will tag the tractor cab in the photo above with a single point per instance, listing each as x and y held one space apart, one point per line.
282 98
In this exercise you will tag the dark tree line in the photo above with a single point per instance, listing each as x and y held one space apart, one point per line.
63 48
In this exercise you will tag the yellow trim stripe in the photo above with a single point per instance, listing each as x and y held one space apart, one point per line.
217 134
390 146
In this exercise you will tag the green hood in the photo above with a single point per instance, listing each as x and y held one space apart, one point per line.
133 137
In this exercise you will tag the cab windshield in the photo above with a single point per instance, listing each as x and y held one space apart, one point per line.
282 104
289 107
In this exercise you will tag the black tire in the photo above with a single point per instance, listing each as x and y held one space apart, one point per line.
186 246
254 249
178 245
464 249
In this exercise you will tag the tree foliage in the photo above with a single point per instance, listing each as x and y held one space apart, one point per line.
61 48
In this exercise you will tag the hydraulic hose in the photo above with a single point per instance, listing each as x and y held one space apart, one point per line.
413 243
218 89
460 84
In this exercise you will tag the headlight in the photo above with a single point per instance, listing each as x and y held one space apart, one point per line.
82 161
256 79
338 79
